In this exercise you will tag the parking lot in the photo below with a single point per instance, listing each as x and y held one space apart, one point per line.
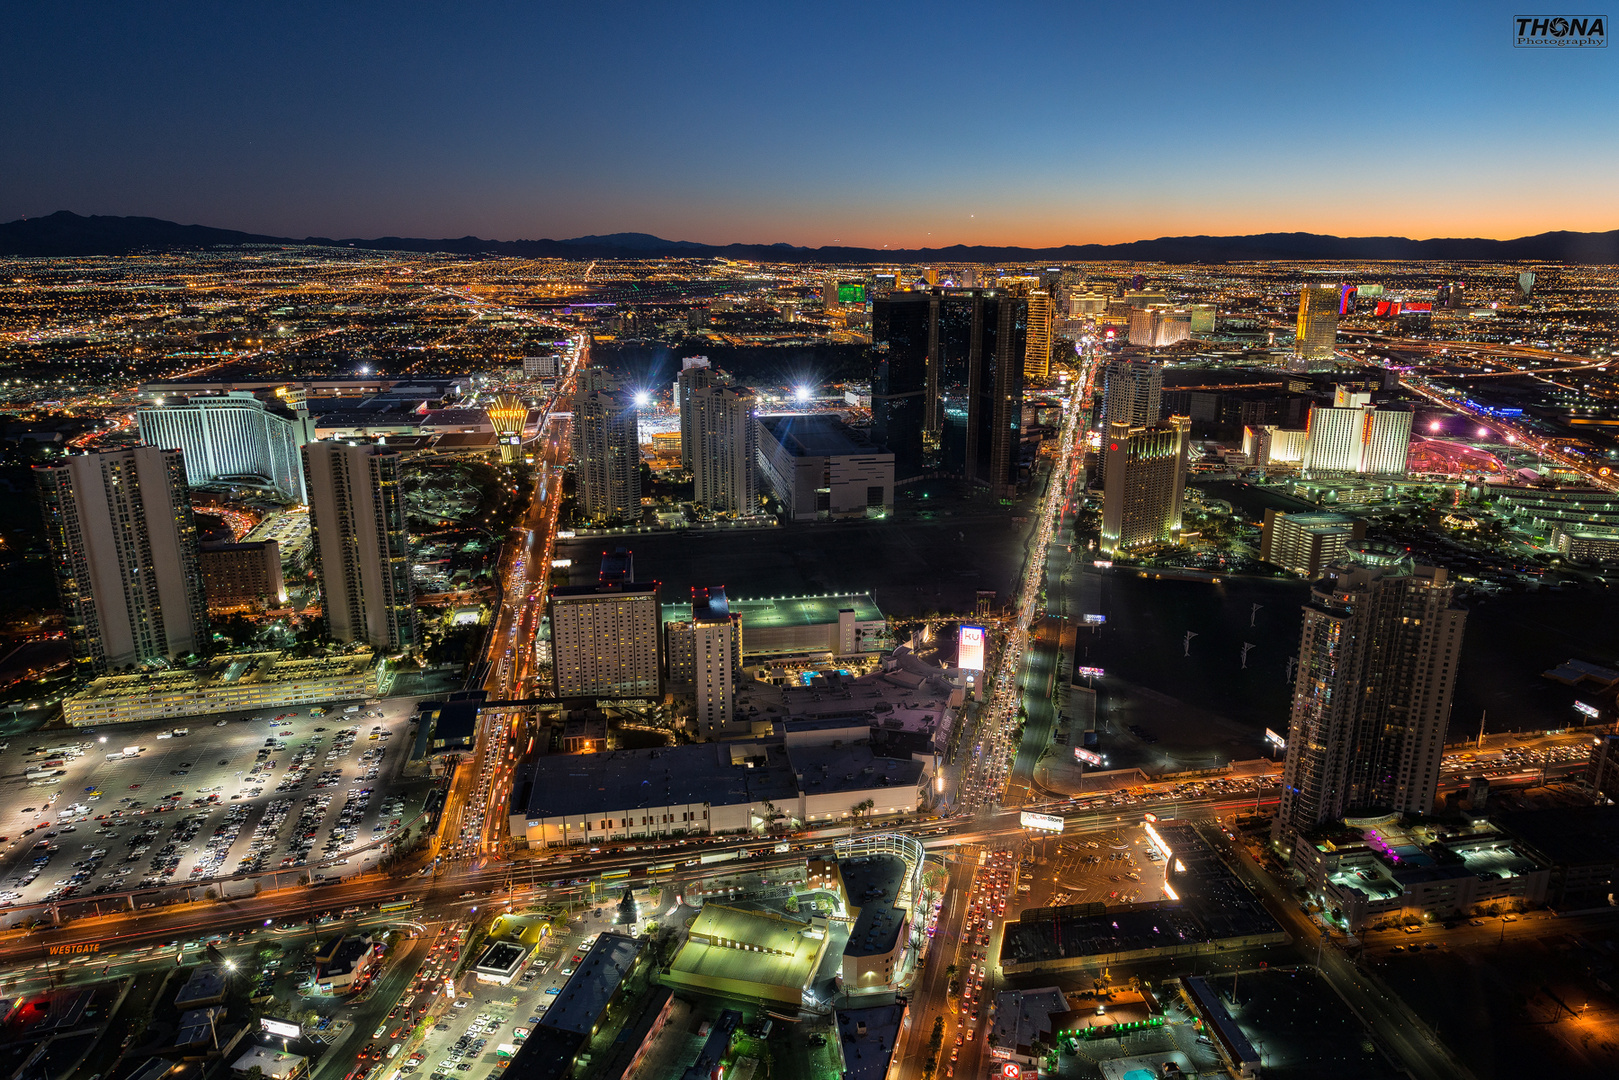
236 793
1115 866
466 1035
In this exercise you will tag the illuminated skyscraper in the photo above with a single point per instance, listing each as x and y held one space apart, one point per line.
725 468
360 544
1037 353
695 373
605 638
124 549
1145 482
1132 392
1371 701
607 454
1317 336
228 437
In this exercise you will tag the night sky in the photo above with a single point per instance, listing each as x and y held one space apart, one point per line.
871 124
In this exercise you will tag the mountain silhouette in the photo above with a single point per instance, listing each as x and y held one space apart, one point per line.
67 234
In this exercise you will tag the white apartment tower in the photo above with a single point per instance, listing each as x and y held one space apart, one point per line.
695 374
361 549
724 461
229 437
607 452
1371 701
124 551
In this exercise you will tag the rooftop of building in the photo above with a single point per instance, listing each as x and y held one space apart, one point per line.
734 946
503 957
547 1054
720 774
207 981
270 1062
592 986
817 435
872 885
822 769
607 589
1211 904
1025 1017
869 1037
199 1025
787 611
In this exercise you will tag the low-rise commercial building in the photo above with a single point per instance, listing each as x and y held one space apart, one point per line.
800 628
343 963
1580 848
705 788
757 955
1377 869
271 1064
818 467
1304 543
587 1001
1209 909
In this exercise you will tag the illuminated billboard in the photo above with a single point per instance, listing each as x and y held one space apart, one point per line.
1589 710
1089 757
851 292
970 648
1042 822
1095 620
281 1029
1275 739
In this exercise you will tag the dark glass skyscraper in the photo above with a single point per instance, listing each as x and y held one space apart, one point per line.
947 391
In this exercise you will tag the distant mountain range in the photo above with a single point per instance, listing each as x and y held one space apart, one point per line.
65 233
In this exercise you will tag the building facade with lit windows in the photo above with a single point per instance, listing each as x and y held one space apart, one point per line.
1353 436
124 551
1132 392
606 640
360 544
1145 483
724 461
607 453
229 437
1037 351
705 653
1378 656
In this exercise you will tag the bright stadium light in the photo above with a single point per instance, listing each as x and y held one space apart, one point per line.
802 393
642 399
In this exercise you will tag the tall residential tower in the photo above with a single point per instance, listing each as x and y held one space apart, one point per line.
1371 701
725 451
124 549
362 553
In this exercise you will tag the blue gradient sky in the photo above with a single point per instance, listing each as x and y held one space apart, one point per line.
872 124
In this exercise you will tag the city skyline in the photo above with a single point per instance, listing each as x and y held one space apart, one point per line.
515 124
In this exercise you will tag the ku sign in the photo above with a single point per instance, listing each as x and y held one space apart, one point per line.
970 648
1010 1071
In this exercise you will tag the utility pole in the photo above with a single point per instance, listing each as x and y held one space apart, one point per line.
1482 714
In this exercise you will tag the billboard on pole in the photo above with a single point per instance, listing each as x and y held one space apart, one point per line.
1043 822
1089 757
